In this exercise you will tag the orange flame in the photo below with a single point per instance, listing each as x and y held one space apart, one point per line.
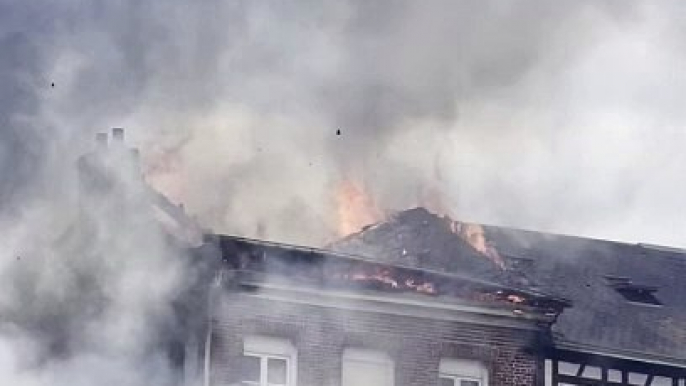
475 236
355 207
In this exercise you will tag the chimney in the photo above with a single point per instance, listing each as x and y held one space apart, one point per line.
118 136
101 140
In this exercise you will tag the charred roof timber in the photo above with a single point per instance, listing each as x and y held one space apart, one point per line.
254 261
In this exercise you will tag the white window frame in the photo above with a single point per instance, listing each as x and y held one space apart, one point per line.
463 370
266 348
368 356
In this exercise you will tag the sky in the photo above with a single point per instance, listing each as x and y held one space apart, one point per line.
561 116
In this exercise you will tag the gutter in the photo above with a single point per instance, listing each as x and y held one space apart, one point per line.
395 305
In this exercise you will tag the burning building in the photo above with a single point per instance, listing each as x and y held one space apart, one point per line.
626 306
421 299
424 300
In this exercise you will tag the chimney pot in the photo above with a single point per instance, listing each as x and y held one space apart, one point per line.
118 134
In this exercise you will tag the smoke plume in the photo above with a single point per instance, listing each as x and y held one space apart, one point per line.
560 117
535 115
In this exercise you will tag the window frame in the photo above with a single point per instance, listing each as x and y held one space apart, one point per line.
265 348
463 370
457 379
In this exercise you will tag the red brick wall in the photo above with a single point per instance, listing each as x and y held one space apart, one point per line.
321 334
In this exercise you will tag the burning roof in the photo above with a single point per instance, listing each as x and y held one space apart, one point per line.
256 260
418 238
601 318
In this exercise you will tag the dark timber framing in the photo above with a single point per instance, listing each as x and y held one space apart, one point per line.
605 363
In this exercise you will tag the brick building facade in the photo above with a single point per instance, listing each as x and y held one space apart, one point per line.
283 315
432 302
288 325
415 345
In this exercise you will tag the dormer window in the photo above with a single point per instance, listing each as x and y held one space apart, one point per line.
634 293
639 294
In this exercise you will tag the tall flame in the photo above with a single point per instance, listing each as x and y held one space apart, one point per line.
355 207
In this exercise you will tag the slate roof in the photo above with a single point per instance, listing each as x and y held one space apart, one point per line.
417 238
600 320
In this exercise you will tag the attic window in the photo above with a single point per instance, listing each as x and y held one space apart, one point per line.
639 294
634 293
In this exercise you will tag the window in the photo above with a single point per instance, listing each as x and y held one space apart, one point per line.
458 372
639 294
268 362
367 368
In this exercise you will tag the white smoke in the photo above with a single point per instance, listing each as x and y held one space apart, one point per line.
88 280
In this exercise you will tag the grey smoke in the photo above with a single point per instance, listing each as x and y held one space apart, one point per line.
561 116
88 284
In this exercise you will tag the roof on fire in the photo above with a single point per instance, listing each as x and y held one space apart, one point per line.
600 320
257 260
